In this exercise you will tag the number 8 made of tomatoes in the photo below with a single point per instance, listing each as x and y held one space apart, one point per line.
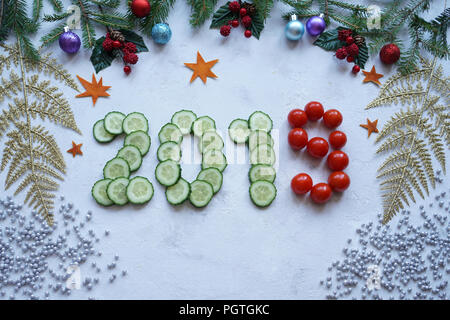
317 147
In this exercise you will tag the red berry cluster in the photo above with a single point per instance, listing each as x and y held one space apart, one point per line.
128 50
350 50
242 15
318 147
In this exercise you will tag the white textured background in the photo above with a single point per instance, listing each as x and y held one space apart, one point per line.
231 249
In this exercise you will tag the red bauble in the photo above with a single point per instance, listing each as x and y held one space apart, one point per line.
297 118
235 23
301 183
390 53
341 53
332 118
337 139
140 8
234 6
247 33
243 12
337 160
297 138
127 70
314 110
225 30
339 181
317 147
356 69
320 193
246 21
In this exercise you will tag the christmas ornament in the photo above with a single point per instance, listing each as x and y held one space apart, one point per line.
234 6
390 53
76 149
94 89
247 33
140 8
246 21
318 147
202 69
69 42
356 69
161 33
225 31
294 29
371 126
372 76
127 70
315 25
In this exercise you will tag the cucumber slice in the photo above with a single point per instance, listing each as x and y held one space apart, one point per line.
99 192
140 140
203 124
113 122
168 173
214 159
139 190
184 119
262 154
170 132
201 193
178 193
117 191
213 176
135 121
262 193
239 131
100 134
115 168
169 151
132 155
210 140
259 120
258 137
262 172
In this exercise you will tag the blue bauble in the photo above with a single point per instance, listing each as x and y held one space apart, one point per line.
161 33
294 30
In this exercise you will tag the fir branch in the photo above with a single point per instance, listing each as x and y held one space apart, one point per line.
53 35
201 11
37 8
264 7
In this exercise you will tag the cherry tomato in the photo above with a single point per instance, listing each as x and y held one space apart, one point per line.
314 110
301 183
317 147
297 118
337 160
332 118
339 181
297 138
337 139
320 193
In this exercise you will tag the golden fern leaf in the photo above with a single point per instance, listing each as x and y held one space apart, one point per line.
414 135
31 153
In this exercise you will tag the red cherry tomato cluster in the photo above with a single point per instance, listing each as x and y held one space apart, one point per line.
318 147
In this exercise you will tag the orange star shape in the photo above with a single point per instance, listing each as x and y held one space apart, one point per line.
202 69
94 89
371 126
372 76
76 149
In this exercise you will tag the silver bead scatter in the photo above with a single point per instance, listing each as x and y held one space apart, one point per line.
39 262
401 260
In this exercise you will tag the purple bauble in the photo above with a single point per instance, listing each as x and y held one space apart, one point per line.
315 25
69 42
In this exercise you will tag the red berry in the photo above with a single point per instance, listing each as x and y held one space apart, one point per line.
127 69
246 21
297 138
234 6
130 47
320 193
301 183
337 160
332 118
247 33
297 118
341 53
337 139
317 147
352 50
338 181
343 34
314 110
350 59
235 23
349 40
356 69
116 44
107 44
243 12
130 58
225 30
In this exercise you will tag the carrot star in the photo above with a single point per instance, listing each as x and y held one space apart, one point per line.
94 89
76 149
371 126
372 76
202 69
